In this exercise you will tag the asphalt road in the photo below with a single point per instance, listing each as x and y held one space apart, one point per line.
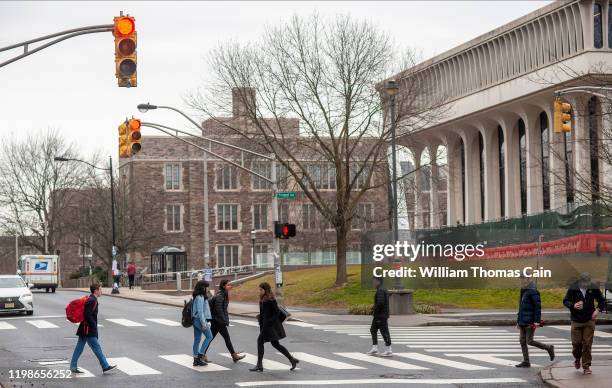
154 351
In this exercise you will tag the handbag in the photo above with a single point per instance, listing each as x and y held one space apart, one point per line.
283 314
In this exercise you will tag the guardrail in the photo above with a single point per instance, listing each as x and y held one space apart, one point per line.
196 274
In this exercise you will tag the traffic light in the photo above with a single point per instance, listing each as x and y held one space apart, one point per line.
562 116
134 136
124 151
125 51
284 230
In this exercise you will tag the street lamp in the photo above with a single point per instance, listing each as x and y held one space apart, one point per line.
144 108
392 88
253 233
112 183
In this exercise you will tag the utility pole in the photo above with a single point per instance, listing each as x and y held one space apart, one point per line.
206 210
16 252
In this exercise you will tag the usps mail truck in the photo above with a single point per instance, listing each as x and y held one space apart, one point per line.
40 270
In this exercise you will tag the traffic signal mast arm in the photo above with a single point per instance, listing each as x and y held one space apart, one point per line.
63 35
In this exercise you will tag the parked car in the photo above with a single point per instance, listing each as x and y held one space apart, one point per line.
15 295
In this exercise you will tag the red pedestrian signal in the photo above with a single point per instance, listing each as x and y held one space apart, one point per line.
125 51
284 230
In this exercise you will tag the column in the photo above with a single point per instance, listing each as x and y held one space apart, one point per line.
606 153
472 177
534 163
434 208
511 170
418 178
454 200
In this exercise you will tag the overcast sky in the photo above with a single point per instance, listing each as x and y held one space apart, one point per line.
71 86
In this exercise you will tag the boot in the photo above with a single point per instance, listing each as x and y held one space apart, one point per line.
551 352
524 364
204 358
294 361
237 357
257 368
197 361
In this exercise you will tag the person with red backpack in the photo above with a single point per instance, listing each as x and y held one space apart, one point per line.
88 331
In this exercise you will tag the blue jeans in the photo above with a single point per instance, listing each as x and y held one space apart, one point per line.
95 347
198 330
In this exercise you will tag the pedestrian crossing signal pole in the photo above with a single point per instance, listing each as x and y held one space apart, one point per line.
278 272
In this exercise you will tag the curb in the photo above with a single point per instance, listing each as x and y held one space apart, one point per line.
547 378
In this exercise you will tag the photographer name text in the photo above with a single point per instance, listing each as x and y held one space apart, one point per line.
474 272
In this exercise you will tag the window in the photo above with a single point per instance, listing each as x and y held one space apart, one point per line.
309 216
323 175
545 160
282 176
262 257
262 168
283 212
363 216
523 164
85 246
227 256
173 176
173 218
227 217
260 216
362 178
227 177
597 26
502 171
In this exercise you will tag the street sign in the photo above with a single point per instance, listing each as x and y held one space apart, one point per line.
279 276
286 195
208 274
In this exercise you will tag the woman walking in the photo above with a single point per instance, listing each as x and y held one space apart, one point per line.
201 315
270 327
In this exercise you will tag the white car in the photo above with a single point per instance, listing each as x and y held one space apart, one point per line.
15 295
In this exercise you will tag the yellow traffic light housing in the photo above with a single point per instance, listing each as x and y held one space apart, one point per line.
124 151
125 51
134 145
562 116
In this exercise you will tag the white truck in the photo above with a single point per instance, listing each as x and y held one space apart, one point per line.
40 270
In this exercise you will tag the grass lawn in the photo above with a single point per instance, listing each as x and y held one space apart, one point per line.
314 287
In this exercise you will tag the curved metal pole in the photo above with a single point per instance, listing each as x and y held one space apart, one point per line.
111 26
82 161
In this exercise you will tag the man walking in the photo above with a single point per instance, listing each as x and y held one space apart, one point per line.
529 316
220 319
380 319
88 332
580 300
131 271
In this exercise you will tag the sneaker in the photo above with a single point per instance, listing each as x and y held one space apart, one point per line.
388 352
551 352
76 371
587 371
524 364
577 364
109 369
373 351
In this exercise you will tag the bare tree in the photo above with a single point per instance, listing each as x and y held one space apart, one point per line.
31 187
324 73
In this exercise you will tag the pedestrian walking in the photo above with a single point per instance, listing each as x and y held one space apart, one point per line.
380 318
270 327
201 316
131 271
220 319
88 333
580 300
529 316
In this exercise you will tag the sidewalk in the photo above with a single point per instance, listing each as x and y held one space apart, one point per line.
562 374
326 317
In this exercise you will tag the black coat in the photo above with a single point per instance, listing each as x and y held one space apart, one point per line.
89 326
219 308
574 295
381 304
530 306
270 326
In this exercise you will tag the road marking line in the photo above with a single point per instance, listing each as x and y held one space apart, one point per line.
244 322
325 362
381 361
598 333
419 381
187 361
516 345
267 364
6 326
125 322
300 324
492 359
441 361
42 324
38 316
85 373
131 367
490 343
163 321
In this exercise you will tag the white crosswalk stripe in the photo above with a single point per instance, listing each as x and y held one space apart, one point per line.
6 326
85 373
125 322
300 324
163 321
441 361
324 362
492 359
381 361
42 324
132 367
245 322
267 364
598 333
380 382
187 361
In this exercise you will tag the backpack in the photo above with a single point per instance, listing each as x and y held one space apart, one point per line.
187 319
75 310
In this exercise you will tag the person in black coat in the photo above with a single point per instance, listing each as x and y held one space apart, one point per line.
220 319
270 327
380 318
528 317
88 333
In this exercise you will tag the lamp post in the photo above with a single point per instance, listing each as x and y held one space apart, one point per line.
112 183
253 233
144 108
391 88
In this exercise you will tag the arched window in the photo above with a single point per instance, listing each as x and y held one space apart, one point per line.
594 147
463 198
502 171
482 175
545 160
569 187
597 26
523 164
